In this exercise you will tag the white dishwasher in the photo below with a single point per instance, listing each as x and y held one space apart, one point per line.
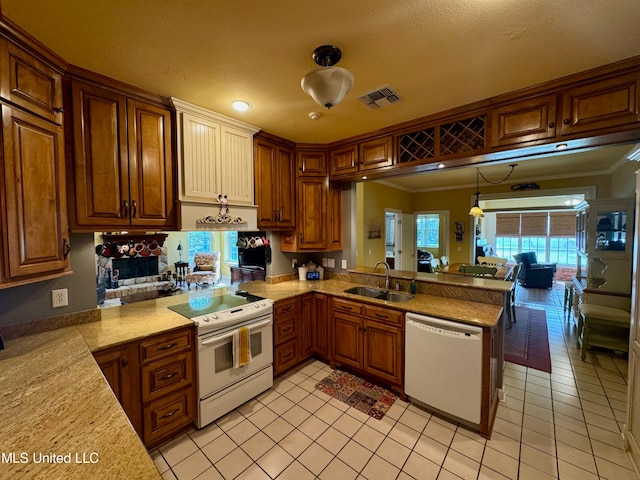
443 365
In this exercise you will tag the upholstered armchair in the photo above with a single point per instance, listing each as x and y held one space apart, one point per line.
424 261
205 269
533 274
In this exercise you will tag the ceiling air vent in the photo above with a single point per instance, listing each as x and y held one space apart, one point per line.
379 97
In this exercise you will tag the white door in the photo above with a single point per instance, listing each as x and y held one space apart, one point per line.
408 251
632 429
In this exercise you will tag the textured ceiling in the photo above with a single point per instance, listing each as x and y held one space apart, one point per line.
437 54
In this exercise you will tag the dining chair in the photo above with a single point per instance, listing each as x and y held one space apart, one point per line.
435 264
478 271
493 261
444 260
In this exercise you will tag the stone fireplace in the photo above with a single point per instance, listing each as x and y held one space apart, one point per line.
127 266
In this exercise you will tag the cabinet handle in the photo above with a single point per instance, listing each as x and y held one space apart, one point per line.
134 207
167 347
167 377
66 248
124 363
288 355
551 124
279 216
287 330
287 309
346 307
126 208
57 110
379 315
168 415
300 238
566 121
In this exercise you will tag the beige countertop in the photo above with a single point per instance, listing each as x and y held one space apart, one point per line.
55 402
51 385
481 314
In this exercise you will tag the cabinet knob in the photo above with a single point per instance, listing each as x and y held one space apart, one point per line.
124 363
57 110
134 208
125 204
552 125
566 121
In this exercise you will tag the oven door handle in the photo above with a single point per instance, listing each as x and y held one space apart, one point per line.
230 334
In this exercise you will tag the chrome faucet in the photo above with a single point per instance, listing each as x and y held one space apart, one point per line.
386 273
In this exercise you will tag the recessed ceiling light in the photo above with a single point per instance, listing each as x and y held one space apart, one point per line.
240 105
561 146
315 115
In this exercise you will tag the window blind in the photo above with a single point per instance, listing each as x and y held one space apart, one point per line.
508 224
534 224
562 224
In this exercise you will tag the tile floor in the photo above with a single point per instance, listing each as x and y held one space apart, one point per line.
565 425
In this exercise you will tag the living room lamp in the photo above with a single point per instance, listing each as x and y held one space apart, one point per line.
476 211
179 250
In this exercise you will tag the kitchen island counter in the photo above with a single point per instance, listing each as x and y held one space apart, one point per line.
58 408
473 313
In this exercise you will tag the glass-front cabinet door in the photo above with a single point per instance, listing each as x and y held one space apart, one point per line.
611 230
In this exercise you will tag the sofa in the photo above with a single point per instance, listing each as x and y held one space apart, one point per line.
534 274
205 269
424 261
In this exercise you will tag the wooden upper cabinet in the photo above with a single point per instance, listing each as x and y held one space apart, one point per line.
100 157
30 83
274 184
525 121
375 153
311 163
150 165
33 197
599 105
334 218
312 212
122 166
344 160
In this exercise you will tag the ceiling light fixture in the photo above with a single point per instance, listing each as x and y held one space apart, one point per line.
327 85
240 105
476 211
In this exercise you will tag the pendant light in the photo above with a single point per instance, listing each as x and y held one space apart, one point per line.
327 85
476 211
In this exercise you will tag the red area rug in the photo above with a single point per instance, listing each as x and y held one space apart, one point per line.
527 342
365 396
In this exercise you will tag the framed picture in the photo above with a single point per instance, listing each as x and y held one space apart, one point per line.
459 231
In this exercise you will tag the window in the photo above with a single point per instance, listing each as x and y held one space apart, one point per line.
428 230
231 250
551 235
198 242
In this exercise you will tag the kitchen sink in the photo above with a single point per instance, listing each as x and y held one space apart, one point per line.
365 291
380 294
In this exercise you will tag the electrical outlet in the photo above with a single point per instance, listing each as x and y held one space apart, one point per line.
59 298
294 262
344 264
324 261
331 263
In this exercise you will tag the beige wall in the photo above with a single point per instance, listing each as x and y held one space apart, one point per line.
371 201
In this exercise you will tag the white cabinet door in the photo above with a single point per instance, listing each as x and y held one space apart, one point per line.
216 156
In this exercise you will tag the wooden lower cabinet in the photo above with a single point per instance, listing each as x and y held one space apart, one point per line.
286 333
153 379
370 339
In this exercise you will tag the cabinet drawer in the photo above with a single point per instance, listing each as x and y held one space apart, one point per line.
383 314
169 414
159 347
284 329
285 356
347 306
286 307
166 375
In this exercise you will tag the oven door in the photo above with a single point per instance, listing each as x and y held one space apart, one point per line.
215 357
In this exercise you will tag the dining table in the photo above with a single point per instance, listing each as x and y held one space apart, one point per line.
455 269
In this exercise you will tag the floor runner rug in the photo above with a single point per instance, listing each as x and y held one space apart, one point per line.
526 342
360 394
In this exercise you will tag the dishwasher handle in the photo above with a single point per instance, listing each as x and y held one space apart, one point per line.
443 327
